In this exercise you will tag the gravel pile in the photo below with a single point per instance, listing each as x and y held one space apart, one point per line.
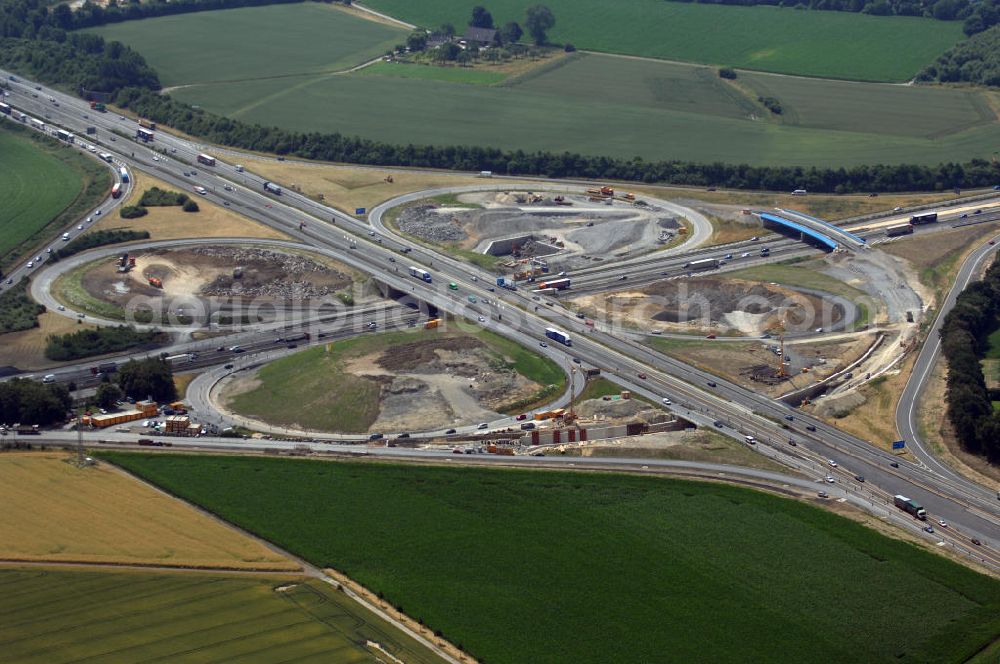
423 222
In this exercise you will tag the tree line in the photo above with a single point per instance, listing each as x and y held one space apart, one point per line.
88 343
964 341
978 15
99 239
976 60
36 43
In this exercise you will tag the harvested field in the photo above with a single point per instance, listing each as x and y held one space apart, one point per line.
59 616
351 187
710 304
172 223
57 512
399 381
26 350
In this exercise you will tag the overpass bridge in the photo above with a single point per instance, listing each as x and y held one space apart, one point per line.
846 239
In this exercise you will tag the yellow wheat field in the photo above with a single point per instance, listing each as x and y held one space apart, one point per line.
56 512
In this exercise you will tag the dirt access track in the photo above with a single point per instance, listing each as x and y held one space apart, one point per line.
227 273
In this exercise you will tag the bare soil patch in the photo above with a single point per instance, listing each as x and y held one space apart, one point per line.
26 349
707 304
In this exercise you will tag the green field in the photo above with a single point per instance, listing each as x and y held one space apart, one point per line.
29 211
60 616
315 392
539 566
285 41
434 73
652 109
812 43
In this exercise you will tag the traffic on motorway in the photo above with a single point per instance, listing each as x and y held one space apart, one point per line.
801 441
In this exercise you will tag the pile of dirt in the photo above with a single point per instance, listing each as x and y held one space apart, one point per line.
424 222
421 355
257 272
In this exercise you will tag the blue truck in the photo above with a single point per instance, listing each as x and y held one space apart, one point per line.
558 335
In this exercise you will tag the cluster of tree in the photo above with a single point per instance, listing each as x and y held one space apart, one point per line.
156 197
147 379
771 104
29 402
99 239
354 150
17 310
132 211
964 341
78 60
977 14
88 343
976 60
538 19
727 72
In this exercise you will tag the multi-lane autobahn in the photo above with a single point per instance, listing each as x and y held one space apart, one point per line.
972 510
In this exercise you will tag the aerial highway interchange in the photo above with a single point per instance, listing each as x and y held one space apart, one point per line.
372 247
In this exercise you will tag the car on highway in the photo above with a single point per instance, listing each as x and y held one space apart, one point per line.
792 442
666 401
822 494
897 209
894 464
710 336
978 212
643 376
833 464
745 254
482 319
483 425
928 529
30 264
622 277
717 424
522 416
810 427
61 308
711 383
227 366
79 228
829 478
965 215
859 479
976 542
942 523
790 418
375 436
543 344
992 242
450 432
754 239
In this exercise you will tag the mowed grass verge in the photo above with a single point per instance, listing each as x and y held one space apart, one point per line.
774 39
43 185
254 42
60 513
311 388
691 113
539 566
51 617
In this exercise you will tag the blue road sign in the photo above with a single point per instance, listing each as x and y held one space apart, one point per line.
359 210
898 444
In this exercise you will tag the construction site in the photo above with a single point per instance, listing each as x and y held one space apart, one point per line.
569 230
203 280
